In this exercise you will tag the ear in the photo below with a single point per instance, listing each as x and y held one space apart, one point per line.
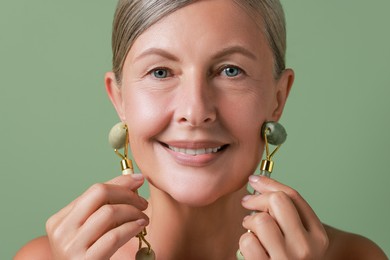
283 87
115 94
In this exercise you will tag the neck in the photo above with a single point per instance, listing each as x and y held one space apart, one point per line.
179 231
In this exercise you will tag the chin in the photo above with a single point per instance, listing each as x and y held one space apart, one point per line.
194 200
198 193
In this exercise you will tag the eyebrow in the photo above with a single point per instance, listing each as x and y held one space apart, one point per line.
235 49
224 52
156 51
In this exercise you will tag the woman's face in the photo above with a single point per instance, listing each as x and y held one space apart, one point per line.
196 88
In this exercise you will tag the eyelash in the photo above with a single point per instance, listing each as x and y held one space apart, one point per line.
226 67
168 72
153 71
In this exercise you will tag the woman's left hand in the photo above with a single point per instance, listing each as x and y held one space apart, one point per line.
284 225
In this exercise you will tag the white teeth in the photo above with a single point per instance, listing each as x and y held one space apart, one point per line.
195 151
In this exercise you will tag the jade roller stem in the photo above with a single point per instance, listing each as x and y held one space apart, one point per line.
127 169
265 173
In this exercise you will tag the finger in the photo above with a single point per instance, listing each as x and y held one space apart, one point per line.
99 195
309 219
280 208
251 247
268 233
58 217
110 242
106 218
132 182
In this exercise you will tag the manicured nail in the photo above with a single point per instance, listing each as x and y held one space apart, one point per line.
137 176
142 222
254 178
247 197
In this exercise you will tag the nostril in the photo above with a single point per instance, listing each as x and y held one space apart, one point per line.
207 120
197 121
195 111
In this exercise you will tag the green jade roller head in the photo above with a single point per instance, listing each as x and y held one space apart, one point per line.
117 136
118 139
275 134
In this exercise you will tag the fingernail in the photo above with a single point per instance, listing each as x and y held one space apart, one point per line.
142 222
247 197
254 178
137 176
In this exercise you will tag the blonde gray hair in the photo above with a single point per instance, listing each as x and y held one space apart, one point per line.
133 17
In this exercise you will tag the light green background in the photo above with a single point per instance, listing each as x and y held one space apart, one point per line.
54 113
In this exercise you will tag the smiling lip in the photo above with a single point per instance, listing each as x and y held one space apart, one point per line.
194 154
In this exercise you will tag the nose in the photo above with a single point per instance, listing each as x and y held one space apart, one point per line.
196 102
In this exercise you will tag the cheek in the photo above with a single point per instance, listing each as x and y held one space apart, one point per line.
243 118
144 114
145 119
245 114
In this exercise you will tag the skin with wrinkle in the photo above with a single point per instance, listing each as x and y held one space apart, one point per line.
207 82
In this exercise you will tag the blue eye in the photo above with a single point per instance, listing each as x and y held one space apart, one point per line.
231 71
160 73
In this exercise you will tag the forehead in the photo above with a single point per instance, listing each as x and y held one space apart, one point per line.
209 22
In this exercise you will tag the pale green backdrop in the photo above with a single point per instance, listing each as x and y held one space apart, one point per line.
54 113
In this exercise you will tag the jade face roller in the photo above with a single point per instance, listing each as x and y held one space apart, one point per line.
275 134
118 139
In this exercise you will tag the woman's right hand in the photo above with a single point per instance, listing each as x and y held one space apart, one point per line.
100 221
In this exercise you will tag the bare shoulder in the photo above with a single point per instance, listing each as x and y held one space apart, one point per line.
38 248
344 245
